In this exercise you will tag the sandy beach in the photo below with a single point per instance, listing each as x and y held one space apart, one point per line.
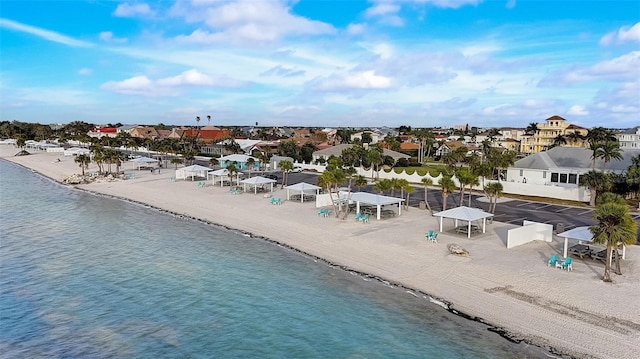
573 313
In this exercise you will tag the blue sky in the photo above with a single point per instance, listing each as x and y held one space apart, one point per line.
332 63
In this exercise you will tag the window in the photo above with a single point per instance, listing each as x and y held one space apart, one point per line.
521 173
544 174
563 178
554 177
573 178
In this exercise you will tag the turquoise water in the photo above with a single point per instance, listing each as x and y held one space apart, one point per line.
84 276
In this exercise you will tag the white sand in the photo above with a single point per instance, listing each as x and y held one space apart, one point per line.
575 313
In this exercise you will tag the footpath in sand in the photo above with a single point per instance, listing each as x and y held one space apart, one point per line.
574 313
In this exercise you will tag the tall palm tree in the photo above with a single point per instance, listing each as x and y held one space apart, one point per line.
286 167
83 161
327 181
558 141
374 156
532 128
426 182
176 161
233 169
448 186
493 190
609 150
596 182
615 226
409 189
250 163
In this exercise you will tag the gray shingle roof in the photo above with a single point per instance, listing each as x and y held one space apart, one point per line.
573 158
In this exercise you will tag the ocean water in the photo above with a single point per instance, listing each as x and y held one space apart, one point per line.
85 276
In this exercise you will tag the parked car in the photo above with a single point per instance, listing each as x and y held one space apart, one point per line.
296 169
271 176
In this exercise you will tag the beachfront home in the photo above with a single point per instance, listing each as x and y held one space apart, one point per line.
547 132
562 166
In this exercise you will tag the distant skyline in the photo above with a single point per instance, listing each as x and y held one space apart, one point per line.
421 63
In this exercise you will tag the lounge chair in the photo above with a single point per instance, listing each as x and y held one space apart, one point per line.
429 235
553 259
434 238
365 218
172 179
358 216
321 212
567 264
278 200
326 212
273 200
601 255
580 250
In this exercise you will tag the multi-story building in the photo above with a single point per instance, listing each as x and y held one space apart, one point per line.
549 131
629 139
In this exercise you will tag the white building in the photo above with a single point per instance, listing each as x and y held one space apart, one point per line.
629 139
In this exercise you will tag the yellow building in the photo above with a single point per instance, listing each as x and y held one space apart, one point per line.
548 132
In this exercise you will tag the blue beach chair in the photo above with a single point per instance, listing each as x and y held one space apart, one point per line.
358 216
553 259
567 264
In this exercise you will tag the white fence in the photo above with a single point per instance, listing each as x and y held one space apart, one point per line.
579 194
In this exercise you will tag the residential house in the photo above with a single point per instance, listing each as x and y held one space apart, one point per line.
375 136
448 147
547 133
240 161
629 139
144 132
562 166
99 132
207 135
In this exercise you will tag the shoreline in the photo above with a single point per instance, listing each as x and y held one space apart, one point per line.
519 317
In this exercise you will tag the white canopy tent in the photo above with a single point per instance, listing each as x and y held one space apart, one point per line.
223 174
143 161
192 171
74 151
464 213
257 181
303 187
375 199
581 234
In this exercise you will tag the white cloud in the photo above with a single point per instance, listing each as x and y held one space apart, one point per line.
624 34
248 21
85 71
577 110
451 4
382 8
358 81
510 4
356 29
107 36
168 86
132 10
42 33
623 67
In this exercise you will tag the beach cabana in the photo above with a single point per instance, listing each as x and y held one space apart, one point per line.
467 214
192 171
377 200
143 161
581 234
256 182
302 188
223 174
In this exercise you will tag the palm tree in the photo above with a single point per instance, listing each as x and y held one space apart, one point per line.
607 151
176 161
214 162
286 167
83 161
448 186
250 163
233 169
558 141
532 128
374 156
615 226
493 190
383 185
426 182
574 137
327 180
409 189
466 178
596 182
359 181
